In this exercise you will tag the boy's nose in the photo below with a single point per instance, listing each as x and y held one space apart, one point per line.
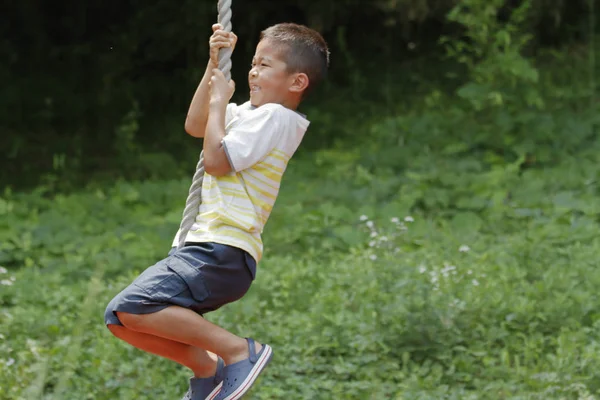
253 72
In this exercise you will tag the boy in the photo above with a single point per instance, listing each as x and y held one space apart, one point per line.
246 151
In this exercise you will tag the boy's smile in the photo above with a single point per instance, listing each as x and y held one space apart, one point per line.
268 78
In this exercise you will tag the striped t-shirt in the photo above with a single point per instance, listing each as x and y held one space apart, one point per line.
235 207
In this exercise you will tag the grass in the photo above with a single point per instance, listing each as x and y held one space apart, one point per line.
450 303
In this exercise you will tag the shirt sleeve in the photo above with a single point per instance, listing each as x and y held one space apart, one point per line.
230 112
253 138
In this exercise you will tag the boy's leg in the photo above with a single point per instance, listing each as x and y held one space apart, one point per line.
178 324
201 362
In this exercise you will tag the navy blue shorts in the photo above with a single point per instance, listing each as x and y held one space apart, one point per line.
201 276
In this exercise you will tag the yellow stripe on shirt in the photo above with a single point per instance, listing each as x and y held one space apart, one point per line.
235 207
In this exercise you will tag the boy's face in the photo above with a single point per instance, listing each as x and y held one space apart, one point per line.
268 79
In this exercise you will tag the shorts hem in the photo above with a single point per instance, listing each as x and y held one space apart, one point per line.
112 319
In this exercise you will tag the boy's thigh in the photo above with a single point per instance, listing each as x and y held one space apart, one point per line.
153 290
215 274
159 283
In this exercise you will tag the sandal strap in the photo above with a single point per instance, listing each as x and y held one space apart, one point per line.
252 350
219 374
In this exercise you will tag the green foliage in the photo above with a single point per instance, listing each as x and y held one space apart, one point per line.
502 92
406 265
487 289
492 51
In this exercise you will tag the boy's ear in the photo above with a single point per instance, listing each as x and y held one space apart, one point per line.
300 82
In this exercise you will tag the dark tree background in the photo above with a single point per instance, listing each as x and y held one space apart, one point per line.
85 83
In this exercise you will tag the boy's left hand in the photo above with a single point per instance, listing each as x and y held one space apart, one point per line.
220 90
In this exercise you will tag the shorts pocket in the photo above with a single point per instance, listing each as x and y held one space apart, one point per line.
192 277
160 283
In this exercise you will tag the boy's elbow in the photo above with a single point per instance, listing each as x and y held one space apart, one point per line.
192 129
194 132
214 171
217 169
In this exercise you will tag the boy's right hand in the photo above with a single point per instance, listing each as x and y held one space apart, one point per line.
220 39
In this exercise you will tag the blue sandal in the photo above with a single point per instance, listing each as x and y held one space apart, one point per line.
240 376
206 388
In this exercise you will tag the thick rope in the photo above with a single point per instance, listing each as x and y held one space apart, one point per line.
194 199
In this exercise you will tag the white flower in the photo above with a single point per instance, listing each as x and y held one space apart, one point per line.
469 272
395 220
373 234
373 257
383 238
422 269
458 304
409 219
32 344
10 362
3 270
448 267
371 243
475 282
364 218
6 282
464 248
370 224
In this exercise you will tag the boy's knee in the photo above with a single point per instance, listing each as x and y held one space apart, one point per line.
116 330
110 317
118 322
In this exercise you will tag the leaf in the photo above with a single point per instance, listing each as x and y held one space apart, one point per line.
465 224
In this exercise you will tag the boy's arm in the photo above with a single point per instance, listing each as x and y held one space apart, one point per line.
216 162
215 158
195 122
